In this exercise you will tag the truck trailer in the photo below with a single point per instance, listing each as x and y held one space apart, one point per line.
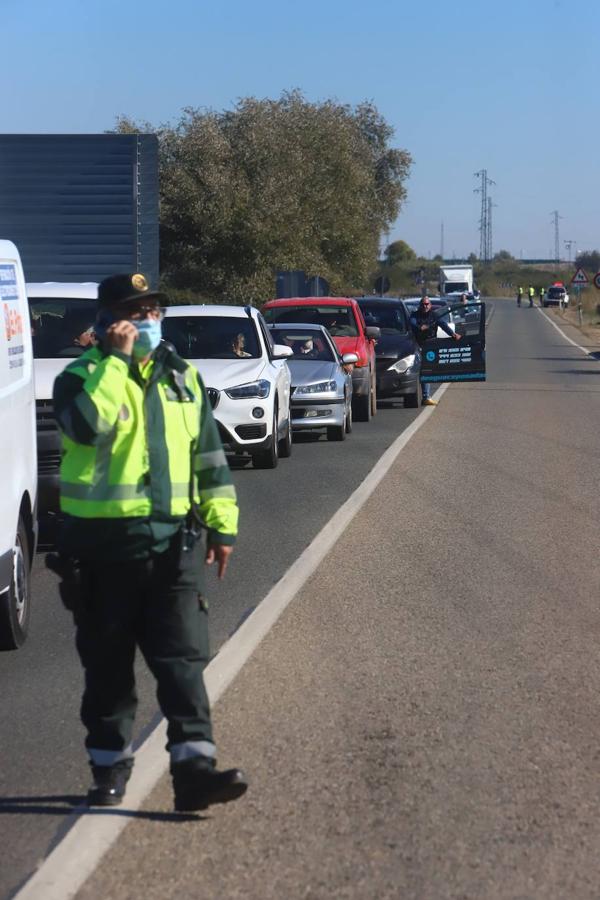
456 280
81 207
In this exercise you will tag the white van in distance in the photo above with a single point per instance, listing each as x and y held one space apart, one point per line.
18 497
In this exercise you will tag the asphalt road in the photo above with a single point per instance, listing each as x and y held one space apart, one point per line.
423 722
43 770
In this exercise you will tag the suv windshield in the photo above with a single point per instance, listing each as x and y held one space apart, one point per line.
306 345
61 327
389 318
555 293
338 320
212 337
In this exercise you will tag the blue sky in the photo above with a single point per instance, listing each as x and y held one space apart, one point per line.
511 87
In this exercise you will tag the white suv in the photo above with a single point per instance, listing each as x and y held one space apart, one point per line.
245 373
556 294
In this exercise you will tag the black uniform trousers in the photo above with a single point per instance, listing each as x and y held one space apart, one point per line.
154 605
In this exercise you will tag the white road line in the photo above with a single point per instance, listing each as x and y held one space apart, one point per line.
561 332
73 860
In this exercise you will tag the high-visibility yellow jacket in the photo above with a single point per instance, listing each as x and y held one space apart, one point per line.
138 443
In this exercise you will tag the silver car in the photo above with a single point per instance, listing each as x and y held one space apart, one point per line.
321 379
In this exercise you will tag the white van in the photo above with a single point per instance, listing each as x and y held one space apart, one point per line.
18 496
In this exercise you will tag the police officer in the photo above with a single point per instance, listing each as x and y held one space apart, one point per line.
519 295
425 323
142 467
531 293
541 294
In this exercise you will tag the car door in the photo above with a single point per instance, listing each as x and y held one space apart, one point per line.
446 359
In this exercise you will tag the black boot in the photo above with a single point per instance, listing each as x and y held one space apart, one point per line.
197 784
110 783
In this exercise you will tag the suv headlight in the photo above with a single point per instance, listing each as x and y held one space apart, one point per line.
254 389
403 365
322 387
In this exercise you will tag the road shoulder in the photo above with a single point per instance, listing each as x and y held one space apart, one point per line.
422 721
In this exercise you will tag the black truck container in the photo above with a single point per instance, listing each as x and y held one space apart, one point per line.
81 206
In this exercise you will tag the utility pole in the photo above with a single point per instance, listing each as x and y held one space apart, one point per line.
568 245
484 220
556 216
490 206
442 242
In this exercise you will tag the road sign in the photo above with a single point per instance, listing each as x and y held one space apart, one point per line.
579 277
597 280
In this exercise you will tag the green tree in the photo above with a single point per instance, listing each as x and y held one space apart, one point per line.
399 252
275 184
589 259
503 256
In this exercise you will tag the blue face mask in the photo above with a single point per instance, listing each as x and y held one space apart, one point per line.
149 337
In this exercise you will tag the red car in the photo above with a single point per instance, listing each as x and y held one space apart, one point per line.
342 317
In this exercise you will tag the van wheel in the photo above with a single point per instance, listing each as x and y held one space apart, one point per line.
15 603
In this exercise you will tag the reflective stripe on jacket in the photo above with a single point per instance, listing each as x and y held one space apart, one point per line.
131 436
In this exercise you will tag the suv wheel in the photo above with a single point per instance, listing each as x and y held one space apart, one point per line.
268 459
285 444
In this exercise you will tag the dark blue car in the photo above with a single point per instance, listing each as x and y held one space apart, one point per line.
397 354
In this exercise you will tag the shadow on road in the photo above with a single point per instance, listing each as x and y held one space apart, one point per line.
66 804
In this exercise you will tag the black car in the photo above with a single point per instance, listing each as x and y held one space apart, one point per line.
397 354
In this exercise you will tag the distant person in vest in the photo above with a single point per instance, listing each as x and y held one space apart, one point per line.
425 323
143 474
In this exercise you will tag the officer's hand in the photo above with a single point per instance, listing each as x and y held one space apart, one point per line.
220 553
457 336
122 336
